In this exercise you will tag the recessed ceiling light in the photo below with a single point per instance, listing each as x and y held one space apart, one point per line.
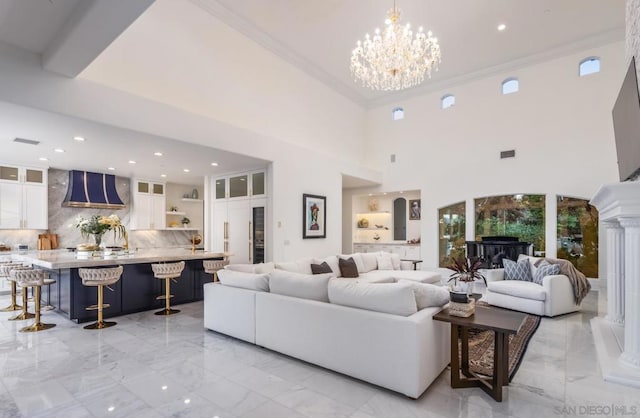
111 408
502 27
157 154
131 162
58 150
111 168
43 159
187 401
214 164
163 175
164 387
186 170
79 138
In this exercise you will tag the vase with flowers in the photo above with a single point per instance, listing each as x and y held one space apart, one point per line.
465 272
97 225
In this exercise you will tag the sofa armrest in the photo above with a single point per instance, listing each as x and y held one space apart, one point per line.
559 295
493 275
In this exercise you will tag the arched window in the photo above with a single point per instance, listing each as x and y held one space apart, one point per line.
510 85
397 113
448 100
589 65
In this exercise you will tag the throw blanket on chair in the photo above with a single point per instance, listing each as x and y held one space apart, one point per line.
579 281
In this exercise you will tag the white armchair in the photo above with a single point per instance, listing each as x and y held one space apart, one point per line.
554 297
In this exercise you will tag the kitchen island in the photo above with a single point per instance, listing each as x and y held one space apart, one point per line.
137 289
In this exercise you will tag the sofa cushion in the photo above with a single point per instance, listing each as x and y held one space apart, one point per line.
348 267
428 295
265 267
299 266
545 269
518 288
244 280
357 257
369 261
377 276
517 271
305 286
384 261
332 261
321 268
533 262
391 298
421 276
395 260
245 268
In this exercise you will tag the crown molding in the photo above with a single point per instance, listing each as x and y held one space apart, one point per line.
247 28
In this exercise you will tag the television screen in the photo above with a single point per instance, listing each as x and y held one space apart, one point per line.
626 124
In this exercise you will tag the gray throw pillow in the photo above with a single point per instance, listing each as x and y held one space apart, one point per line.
545 269
517 271
348 267
321 268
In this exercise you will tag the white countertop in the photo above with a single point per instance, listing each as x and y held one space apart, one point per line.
62 259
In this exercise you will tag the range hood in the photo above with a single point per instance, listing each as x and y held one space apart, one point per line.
92 190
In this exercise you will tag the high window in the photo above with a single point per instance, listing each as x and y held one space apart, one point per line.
518 215
510 85
578 234
447 101
589 65
397 113
452 228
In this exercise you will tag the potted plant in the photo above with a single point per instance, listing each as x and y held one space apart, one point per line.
185 222
466 271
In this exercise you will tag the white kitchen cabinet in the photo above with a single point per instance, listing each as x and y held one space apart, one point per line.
406 252
23 198
412 252
149 208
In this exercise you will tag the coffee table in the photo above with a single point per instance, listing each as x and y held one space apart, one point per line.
503 322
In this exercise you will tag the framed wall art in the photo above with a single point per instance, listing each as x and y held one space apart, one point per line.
314 216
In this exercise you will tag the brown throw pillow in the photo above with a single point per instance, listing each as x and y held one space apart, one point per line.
321 268
348 267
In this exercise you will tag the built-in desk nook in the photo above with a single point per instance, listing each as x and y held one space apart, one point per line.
137 288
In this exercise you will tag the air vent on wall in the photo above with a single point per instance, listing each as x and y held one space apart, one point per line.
508 154
392 158
26 141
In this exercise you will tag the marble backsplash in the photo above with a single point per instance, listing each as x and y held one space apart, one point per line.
62 219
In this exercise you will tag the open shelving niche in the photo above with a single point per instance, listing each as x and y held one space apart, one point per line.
382 218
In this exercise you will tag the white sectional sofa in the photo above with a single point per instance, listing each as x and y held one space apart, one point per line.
386 340
367 264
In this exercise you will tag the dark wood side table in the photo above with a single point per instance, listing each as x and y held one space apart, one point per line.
415 262
503 323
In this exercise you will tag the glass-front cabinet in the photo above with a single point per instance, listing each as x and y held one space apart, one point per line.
241 186
23 197
148 210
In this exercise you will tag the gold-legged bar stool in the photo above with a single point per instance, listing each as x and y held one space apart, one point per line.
168 272
212 267
100 277
48 282
35 279
5 269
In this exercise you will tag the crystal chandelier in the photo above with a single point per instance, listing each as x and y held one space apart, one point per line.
395 59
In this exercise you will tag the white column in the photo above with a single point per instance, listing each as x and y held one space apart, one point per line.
631 354
615 272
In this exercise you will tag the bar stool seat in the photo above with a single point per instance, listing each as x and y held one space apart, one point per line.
100 277
35 279
167 272
212 267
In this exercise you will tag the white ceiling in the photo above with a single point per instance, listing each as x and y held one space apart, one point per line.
108 146
318 36
32 24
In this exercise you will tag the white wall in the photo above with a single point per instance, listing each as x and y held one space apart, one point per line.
312 138
165 58
633 33
559 124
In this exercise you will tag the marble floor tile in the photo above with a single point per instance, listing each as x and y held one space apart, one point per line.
313 404
121 371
